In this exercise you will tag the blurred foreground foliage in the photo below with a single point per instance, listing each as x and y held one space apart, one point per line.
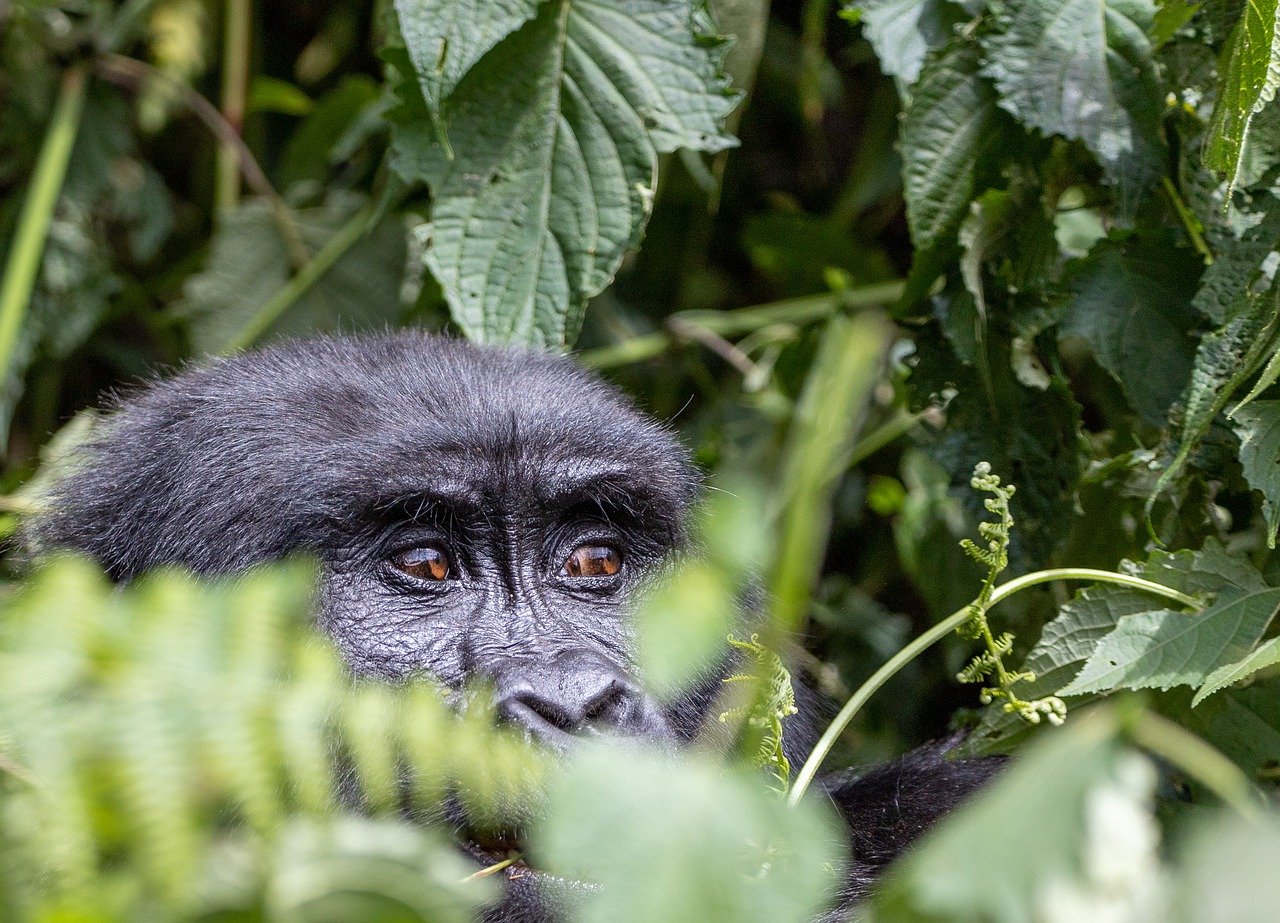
1070 211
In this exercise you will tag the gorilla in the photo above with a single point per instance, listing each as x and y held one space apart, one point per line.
478 514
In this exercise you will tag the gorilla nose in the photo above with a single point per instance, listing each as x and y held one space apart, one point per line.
577 697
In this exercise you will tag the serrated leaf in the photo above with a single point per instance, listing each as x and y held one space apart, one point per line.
946 131
1237 261
1225 359
1164 648
1261 657
248 263
446 38
1258 426
555 134
1242 723
1083 69
903 32
1249 82
1130 302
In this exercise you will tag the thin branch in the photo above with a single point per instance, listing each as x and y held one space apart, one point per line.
132 75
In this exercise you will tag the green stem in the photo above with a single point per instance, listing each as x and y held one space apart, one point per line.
944 628
743 320
27 249
1196 758
307 276
1189 220
235 90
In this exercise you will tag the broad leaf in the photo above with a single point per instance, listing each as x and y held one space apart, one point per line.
1258 426
446 38
556 134
1130 303
1237 260
1164 648
947 129
1249 83
903 32
1066 817
249 263
757 858
1083 69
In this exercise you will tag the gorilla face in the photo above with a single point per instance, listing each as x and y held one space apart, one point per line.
479 515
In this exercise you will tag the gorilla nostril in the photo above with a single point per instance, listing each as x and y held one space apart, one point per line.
612 706
537 713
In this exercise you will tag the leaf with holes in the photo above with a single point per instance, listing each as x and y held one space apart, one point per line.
556 133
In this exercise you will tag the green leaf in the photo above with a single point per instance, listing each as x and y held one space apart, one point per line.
1227 873
756 859
681 625
248 263
1083 69
946 132
1261 657
1258 426
1242 723
1067 641
1163 648
1225 359
556 134
903 32
1052 831
1249 82
447 38
1237 260
1130 302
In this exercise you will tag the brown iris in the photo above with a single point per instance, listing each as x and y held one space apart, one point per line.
425 562
593 561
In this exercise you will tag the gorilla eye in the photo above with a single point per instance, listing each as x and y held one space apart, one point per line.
592 561
425 562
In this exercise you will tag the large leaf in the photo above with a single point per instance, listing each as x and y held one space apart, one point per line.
1258 426
734 852
446 38
903 32
1083 69
249 263
948 127
1163 648
1068 641
1066 826
556 133
1249 83
1130 303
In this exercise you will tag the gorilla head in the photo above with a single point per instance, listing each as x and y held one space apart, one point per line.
477 514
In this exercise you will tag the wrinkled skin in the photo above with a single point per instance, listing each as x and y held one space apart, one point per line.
452 494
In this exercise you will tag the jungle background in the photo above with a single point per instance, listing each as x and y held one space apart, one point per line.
848 255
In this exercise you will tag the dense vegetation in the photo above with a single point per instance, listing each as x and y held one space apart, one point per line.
897 256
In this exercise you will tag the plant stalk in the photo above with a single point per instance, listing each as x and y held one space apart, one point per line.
944 628
27 249
743 320
237 25
342 241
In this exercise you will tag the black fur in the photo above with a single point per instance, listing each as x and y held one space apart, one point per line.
356 448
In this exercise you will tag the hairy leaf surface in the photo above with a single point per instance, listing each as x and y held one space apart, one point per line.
1249 83
556 134
947 129
1164 648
